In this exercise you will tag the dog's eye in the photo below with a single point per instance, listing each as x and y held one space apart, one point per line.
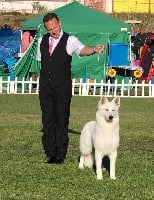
113 110
106 110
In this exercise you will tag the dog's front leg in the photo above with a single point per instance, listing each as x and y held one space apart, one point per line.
98 160
112 157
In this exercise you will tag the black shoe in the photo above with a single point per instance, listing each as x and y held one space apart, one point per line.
51 160
60 159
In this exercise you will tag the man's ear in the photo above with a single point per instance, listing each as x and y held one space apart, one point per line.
60 23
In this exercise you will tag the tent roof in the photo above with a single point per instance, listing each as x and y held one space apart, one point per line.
77 18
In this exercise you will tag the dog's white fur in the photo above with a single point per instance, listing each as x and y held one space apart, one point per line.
101 137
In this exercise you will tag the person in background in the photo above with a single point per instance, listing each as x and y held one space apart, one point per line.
55 50
27 38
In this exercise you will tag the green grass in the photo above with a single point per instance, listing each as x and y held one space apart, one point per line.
25 176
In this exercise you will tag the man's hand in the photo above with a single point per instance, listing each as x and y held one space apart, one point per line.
99 49
89 50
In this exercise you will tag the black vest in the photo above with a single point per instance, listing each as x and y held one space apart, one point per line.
55 69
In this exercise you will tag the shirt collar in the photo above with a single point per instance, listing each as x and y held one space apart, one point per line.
61 33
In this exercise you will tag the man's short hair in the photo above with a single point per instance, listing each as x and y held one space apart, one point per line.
50 16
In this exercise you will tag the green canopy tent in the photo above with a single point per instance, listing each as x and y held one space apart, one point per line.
90 26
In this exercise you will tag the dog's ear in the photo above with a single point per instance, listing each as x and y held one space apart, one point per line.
103 100
116 101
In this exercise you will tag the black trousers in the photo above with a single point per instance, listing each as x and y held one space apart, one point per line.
55 106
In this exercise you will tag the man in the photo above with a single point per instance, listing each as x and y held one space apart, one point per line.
56 86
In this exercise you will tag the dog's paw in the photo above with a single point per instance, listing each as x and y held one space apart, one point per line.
112 177
104 169
99 177
81 166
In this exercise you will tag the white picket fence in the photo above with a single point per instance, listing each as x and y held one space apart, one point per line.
80 88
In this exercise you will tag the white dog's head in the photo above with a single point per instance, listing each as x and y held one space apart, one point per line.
109 109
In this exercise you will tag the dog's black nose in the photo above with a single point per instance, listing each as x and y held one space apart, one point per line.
110 117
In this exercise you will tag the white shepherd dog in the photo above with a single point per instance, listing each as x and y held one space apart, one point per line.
101 137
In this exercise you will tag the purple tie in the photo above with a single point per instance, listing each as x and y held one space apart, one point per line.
51 45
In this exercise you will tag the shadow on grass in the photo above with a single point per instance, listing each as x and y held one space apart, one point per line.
74 132
70 131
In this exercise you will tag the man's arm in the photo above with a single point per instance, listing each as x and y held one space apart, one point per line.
38 54
89 50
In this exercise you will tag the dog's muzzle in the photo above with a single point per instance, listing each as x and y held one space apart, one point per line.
110 117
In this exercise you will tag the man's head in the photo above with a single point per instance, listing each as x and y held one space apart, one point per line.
52 24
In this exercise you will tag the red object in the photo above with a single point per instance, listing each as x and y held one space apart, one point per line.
150 74
26 40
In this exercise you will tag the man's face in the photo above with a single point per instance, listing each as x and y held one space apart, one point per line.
53 27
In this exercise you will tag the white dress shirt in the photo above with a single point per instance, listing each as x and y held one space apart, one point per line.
73 46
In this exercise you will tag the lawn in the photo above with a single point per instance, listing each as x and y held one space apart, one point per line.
25 176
